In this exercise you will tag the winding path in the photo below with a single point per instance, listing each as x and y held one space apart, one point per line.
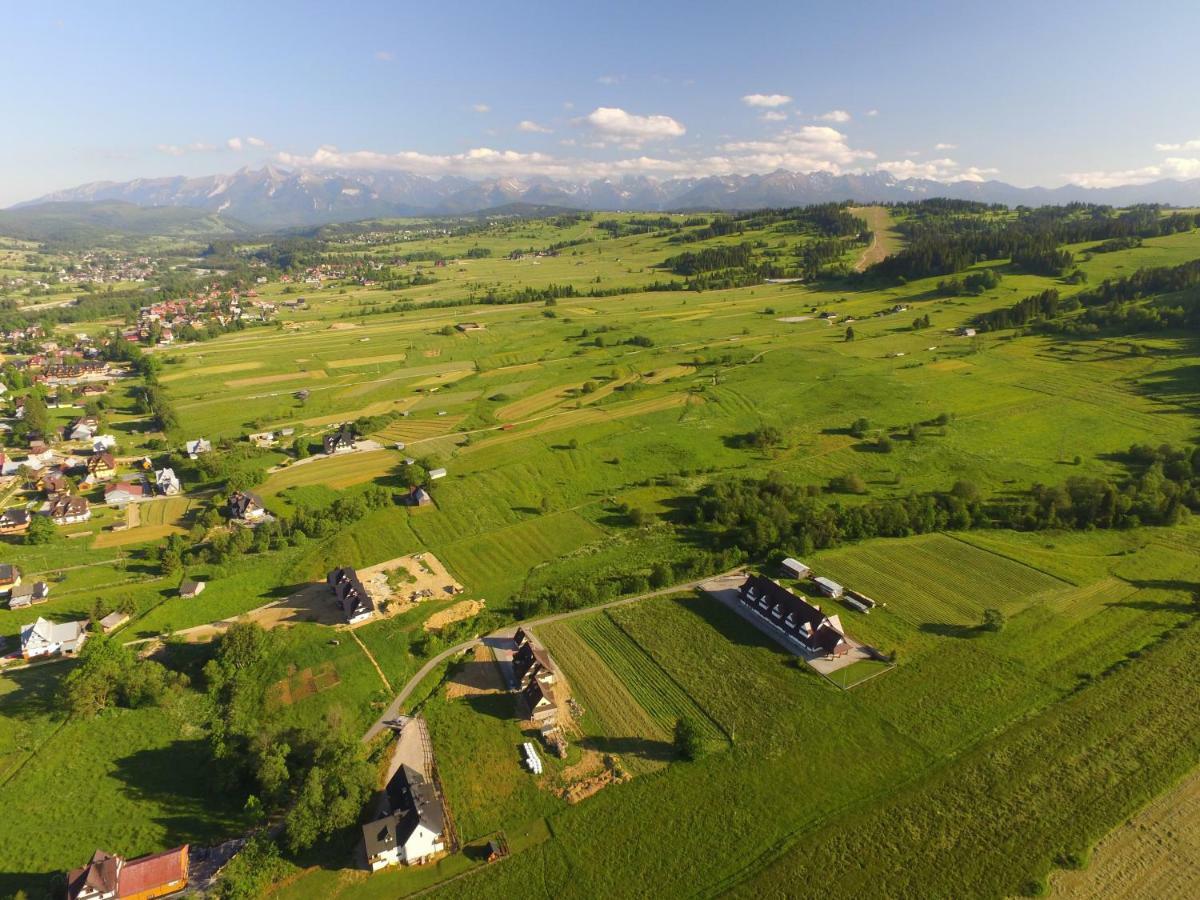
393 709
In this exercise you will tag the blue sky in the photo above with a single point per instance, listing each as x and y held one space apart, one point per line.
1031 93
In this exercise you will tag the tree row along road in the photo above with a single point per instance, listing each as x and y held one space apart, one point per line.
393 709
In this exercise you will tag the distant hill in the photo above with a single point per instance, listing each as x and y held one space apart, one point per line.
271 198
95 222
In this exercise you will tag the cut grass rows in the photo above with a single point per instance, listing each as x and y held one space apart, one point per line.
654 689
606 701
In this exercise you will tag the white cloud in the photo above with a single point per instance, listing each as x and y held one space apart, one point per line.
616 123
834 115
256 142
1185 145
609 79
872 112
532 127
808 148
234 143
481 108
774 115
812 148
178 150
944 169
769 101
384 55
568 105
1171 167
943 146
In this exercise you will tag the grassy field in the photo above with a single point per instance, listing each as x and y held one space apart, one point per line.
561 422
148 786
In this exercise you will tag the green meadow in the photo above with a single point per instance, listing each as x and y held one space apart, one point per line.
575 435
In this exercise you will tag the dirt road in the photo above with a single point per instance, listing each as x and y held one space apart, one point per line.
883 238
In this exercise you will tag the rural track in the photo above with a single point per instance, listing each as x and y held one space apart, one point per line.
393 709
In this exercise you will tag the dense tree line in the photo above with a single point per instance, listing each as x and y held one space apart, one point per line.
943 238
319 774
1108 301
710 259
974 283
771 515
1046 305
111 674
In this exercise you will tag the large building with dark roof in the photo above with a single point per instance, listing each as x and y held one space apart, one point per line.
350 595
793 616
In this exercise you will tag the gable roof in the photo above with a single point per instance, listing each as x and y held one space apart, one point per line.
102 461
43 634
415 801
99 875
792 613
138 876
242 502
65 505
350 593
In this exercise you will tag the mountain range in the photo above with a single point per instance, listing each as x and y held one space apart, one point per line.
270 198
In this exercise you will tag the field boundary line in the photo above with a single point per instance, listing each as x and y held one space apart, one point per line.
387 684
1013 559
671 678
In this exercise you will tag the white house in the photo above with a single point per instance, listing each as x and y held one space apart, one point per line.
198 446
103 443
413 832
44 638
435 474
167 482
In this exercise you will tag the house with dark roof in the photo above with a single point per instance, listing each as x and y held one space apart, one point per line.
67 510
340 441
246 506
14 521
26 595
793 617
351 596
10 577
413 830
530 662
111 877
101 466
539 694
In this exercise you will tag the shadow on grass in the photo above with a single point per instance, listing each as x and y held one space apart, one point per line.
639 747
498 706
945 629
178 780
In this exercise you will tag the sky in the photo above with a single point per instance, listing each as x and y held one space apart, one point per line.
1045 93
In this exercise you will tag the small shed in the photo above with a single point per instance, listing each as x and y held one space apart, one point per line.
435 474
828 587
190 588
113 621
795 568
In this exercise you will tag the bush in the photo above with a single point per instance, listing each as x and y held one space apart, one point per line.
689 742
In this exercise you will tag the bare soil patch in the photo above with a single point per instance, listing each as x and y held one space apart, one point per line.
480 675
465 609
304 683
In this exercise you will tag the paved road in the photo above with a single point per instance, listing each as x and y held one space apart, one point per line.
393 710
